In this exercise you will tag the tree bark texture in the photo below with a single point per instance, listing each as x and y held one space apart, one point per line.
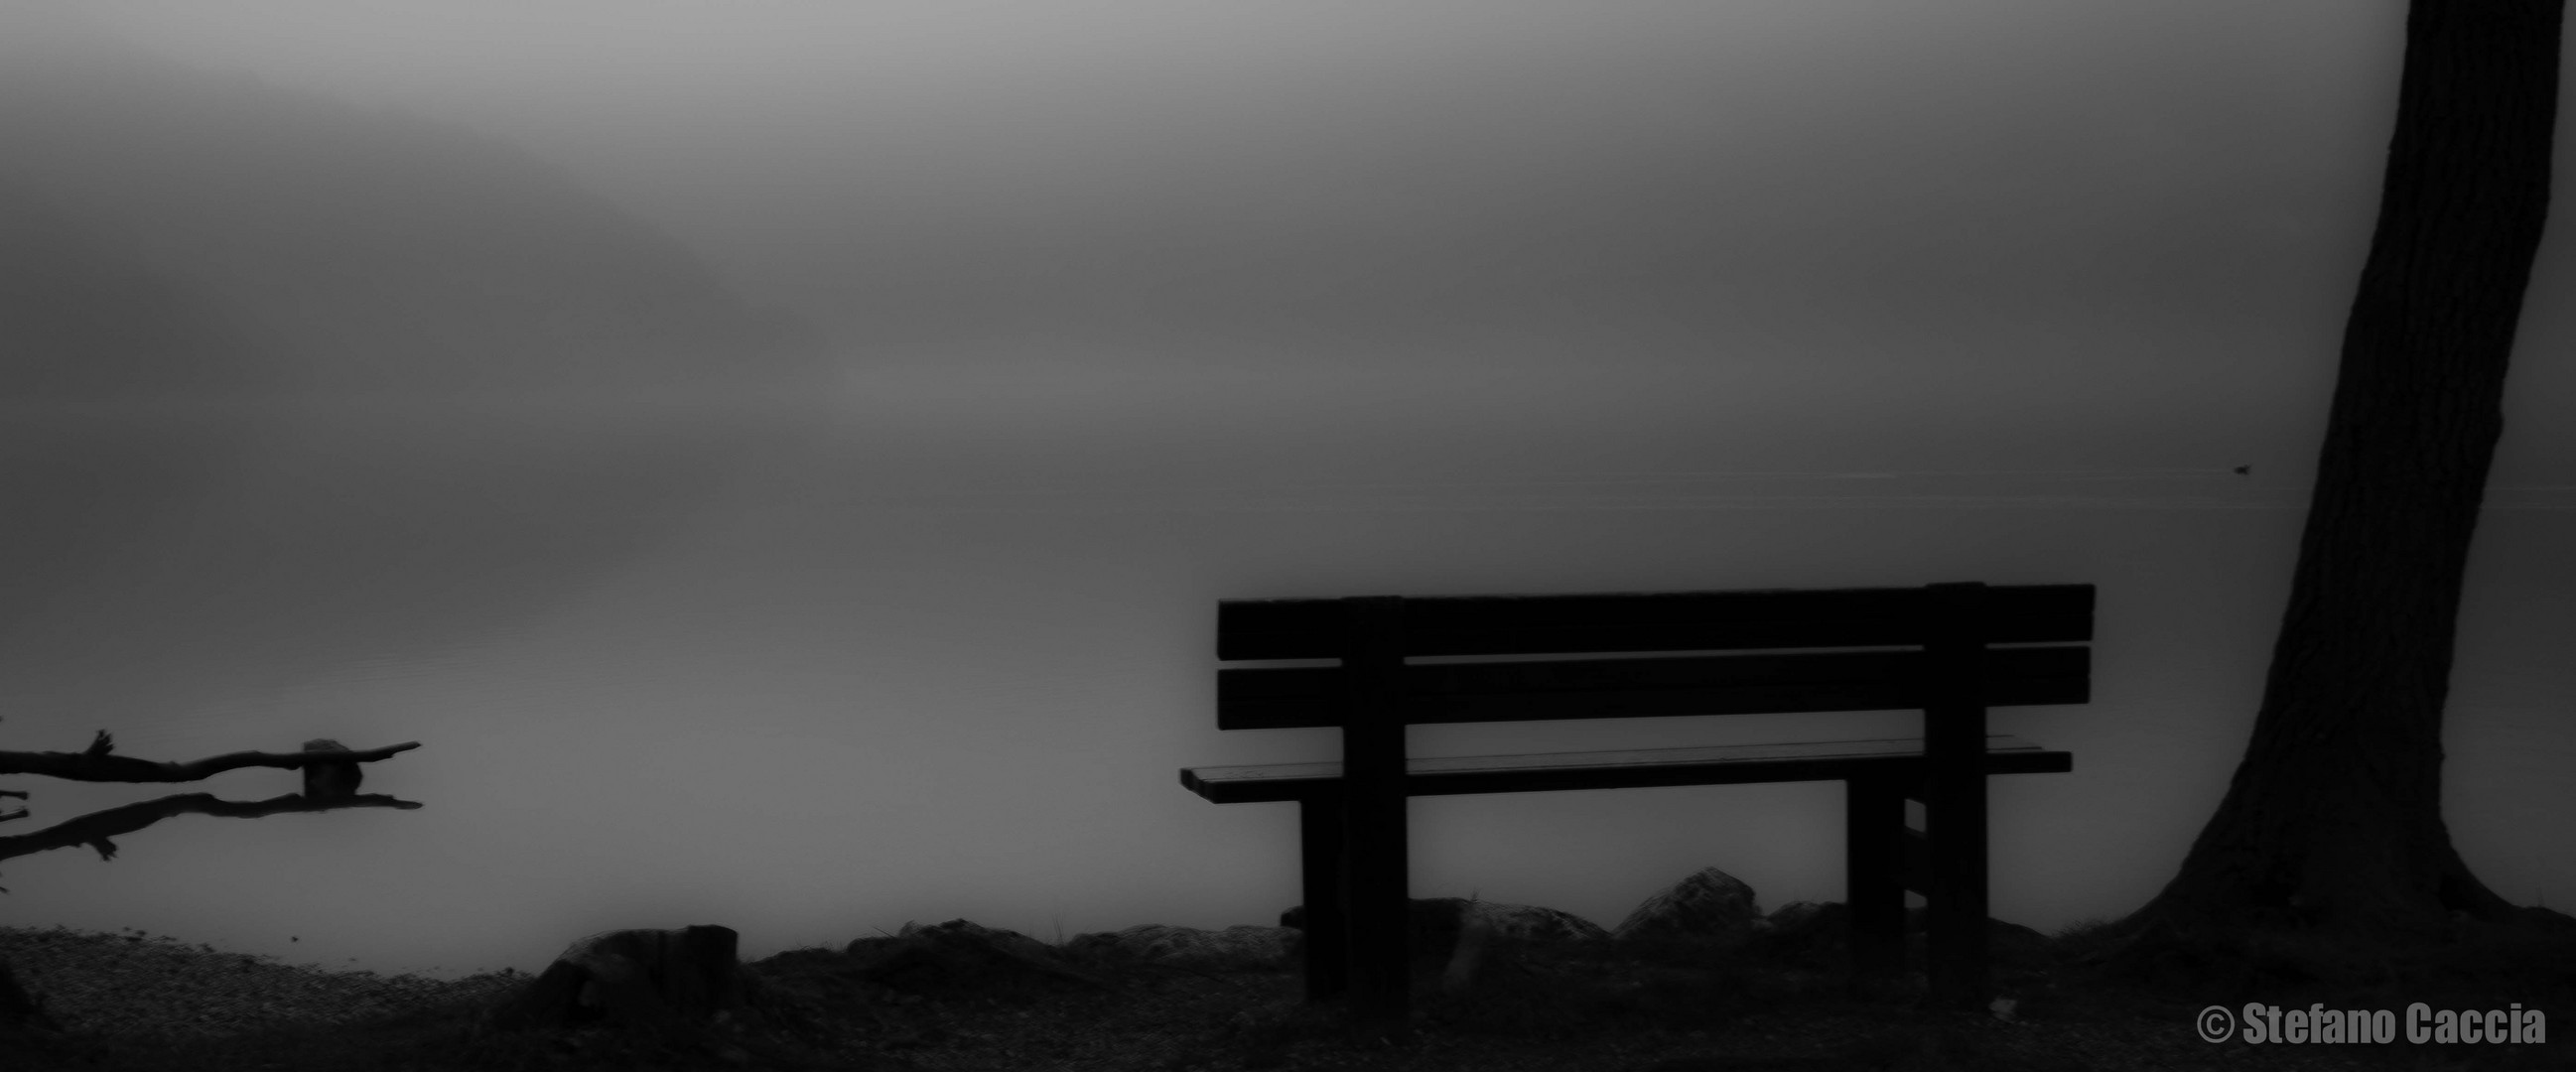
2334 814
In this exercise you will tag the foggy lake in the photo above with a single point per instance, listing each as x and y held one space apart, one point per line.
885 591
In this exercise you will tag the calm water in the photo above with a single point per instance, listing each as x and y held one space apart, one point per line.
936 649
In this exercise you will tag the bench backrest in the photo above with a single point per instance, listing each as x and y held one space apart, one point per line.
1933 643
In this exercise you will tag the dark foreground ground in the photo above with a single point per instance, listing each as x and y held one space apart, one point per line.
1776 1002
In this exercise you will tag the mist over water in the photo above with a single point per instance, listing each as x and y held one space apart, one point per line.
786 482
827 695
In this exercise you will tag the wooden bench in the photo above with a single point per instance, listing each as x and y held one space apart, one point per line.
1933 650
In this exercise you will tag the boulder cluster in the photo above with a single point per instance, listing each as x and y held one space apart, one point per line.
1706 904
674 979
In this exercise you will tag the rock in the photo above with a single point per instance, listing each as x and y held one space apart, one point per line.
1436 923
959 958
1802 931
330 781
1532 923
1708 904
957 928
1799 914
1240 947
652 979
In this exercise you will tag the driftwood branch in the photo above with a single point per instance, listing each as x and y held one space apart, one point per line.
97 828
95 764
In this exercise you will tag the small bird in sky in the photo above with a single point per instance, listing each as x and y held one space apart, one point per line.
2245 470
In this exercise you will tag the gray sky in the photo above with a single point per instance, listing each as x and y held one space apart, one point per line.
2095 214
1160 177
1135 306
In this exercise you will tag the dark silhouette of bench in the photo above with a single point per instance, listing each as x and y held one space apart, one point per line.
1932 648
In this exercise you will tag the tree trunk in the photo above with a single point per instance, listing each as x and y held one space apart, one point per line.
2334 815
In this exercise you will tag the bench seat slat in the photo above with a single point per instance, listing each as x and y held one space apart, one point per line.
1621 769
1652 621
1251 698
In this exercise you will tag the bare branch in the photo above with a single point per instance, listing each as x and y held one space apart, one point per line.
95 764
97 828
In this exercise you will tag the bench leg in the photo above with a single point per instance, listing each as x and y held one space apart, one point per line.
1954 800
1954 910
1377 904
1873 877
1373 814
1327 940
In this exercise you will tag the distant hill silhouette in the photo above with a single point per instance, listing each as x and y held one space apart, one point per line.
263 258
180 230
82 315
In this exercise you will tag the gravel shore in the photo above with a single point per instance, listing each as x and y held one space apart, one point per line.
138 985
1520 1015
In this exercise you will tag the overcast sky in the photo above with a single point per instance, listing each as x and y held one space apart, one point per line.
1434 181
2088 212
